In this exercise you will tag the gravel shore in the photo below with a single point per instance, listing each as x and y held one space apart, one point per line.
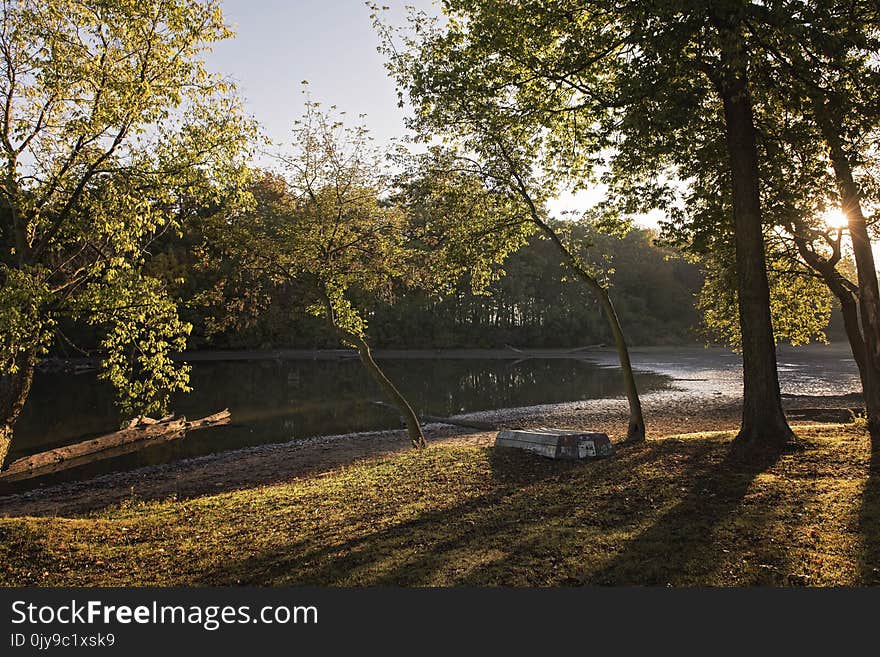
688 409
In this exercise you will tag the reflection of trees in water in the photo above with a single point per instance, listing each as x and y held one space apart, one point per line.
442 387
273 400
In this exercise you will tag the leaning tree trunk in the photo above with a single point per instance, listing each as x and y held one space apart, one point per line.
763 420
869 289
14 390
636 428
413 426
849 310
842 289
869 374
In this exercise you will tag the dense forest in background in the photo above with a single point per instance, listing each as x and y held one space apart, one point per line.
533 304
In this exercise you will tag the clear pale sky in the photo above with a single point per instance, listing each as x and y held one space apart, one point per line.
330 43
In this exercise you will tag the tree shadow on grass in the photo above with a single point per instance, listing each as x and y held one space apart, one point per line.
23 558
512 533
869 520
678 548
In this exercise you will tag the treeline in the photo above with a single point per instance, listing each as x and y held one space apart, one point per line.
534 304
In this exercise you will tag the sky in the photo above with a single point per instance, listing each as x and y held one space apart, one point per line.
332 45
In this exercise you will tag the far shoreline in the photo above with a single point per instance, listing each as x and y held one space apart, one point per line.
508 353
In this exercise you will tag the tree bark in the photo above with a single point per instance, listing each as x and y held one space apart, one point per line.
636 427
413 426
869 289
14 390
763 420
5 444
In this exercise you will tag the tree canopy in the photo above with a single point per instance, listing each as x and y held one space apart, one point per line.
112 131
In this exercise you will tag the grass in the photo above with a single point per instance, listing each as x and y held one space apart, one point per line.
677 511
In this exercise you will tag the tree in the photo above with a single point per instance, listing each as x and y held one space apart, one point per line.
827 54
347 233
811 60
805 71
477 86
321 225
579 85
763 419
111 128
681 112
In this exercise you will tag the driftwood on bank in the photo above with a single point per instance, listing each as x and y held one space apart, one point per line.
136 436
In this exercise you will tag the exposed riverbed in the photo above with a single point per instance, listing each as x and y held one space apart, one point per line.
299 401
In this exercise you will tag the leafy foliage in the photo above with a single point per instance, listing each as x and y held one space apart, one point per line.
141 331
113 133
800 304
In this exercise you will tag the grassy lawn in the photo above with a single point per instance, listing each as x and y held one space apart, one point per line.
677 510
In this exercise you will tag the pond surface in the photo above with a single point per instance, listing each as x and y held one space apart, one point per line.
276 400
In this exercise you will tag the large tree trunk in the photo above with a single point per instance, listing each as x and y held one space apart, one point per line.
14 391
869 289
763 421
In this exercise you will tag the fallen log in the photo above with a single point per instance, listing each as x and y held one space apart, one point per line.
135 437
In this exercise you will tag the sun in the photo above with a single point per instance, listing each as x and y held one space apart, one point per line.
835 218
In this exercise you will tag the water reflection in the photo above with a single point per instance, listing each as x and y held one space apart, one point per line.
281 400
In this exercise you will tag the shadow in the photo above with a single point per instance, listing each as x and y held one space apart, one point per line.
680 541
505 529
515 467
263 465
24 561
869 517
